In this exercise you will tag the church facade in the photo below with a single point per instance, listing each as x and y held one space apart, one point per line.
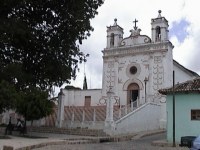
134 69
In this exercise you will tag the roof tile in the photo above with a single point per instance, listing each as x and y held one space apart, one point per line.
188 86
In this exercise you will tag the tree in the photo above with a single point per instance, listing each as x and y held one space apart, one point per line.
34 104
85 83
14 75
39 49
8 96
42 37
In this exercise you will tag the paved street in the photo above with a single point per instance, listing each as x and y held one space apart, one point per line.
141 144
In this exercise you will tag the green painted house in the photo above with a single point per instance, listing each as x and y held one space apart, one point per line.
187 109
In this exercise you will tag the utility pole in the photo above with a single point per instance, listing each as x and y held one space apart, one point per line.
174 143
145 88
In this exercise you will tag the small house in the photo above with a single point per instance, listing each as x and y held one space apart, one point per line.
187 109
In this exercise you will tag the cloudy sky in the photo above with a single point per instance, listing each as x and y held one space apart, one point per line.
184 32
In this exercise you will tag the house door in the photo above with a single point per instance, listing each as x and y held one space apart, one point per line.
132 94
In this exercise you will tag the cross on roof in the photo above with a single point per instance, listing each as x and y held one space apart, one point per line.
135 21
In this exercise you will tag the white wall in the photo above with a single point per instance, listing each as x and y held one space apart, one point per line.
181 76
142 119
77 97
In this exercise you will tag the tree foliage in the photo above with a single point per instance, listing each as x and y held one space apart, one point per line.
39 48
71 87
41 38
33 104
8 96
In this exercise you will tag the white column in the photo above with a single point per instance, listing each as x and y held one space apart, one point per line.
72 119
109 109
132 105
126 109
60 116
120 112
163 114
94 116
83 117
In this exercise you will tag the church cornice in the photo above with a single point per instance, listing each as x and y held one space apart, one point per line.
132 50
114 28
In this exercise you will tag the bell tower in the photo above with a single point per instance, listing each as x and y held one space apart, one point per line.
114 35
159 29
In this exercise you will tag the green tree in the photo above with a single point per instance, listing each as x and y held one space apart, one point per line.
70 87
42 38
14 74
8 96
39 48
34 104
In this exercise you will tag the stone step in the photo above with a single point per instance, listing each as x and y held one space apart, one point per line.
75 131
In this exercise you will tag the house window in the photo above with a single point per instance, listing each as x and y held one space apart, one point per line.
195 114
87 101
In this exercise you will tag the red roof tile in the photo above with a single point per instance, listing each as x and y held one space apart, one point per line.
188 86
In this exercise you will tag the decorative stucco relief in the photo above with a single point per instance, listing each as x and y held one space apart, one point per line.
159 46
147 40
120 81
127 50
103 100
121 65
110 75
137 70
158 73
146 66
145 58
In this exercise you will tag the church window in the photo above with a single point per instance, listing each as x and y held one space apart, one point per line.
133 70
158 33
112 39
195 114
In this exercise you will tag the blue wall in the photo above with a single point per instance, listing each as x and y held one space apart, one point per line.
184 125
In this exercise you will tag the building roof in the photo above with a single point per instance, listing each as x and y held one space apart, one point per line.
188 86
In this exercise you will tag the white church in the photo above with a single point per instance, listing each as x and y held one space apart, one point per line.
134 69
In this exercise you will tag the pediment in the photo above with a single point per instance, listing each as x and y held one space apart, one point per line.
135 40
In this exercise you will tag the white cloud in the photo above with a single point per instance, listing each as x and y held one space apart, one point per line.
126 11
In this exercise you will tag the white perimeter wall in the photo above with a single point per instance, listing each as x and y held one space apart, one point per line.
181 76
77 97
142 119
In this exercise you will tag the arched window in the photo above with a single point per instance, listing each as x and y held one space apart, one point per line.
158 33
112 39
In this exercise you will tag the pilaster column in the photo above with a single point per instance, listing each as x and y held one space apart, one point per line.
83 117
60 116
94 116
109 109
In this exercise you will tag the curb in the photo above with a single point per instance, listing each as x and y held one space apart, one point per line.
57 143
161 143
143 134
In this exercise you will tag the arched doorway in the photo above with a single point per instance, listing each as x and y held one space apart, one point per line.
132 94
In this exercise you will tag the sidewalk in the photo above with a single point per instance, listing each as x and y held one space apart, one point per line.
24 143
